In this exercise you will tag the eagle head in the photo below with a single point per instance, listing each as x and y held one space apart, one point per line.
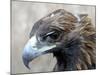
52 34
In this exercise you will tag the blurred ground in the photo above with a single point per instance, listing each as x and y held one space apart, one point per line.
24 15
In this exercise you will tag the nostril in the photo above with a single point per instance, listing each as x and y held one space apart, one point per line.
35 47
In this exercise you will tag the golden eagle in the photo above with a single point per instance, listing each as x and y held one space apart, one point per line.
71 39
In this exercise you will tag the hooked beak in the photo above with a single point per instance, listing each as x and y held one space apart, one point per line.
33 50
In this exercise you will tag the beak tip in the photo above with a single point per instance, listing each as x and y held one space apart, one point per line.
27 66
26 62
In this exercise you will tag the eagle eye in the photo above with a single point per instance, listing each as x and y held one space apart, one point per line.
53 35
50 37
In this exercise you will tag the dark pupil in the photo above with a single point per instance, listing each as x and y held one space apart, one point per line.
54 35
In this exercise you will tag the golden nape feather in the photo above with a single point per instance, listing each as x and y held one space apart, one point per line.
88 46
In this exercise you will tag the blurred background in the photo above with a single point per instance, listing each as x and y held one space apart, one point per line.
23 16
